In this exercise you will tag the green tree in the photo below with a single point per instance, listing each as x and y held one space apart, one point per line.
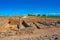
30 15
43 15
38 15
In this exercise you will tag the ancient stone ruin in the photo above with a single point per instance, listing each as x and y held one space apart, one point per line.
30 26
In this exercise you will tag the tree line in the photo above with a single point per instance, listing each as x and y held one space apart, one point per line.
36 15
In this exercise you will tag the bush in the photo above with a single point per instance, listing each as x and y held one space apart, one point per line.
38 15
30 15
43 15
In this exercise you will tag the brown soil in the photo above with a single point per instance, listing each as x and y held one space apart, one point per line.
10 24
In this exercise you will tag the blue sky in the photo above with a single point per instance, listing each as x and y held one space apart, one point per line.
24 7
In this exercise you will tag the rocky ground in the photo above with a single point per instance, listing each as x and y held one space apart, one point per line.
29 28
41 34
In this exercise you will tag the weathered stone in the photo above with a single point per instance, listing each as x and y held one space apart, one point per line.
53 23
54 37
46 23
58 22
37 25
26 24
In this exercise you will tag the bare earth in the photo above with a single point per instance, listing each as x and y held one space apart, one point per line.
31 28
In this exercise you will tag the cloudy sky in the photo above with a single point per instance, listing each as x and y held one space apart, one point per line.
24 7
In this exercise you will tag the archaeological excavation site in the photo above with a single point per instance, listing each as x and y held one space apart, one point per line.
29 28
